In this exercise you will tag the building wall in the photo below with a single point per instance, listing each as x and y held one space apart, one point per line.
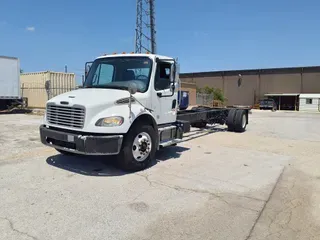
314 107
280 83
216 82
191 88
243 94
311 83
188 80
256 83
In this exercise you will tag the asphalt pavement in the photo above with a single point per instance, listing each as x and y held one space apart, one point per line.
261 184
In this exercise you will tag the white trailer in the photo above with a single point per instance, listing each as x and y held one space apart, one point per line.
309 102
128 106
9 81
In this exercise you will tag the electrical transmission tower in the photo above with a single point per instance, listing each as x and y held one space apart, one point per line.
145 27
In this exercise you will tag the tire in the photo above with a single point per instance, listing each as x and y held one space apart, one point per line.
231 119
128 158
240 121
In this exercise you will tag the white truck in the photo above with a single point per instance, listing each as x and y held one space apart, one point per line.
128 107
9 82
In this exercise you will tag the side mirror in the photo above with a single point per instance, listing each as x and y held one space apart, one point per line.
173 77
87 68
173 73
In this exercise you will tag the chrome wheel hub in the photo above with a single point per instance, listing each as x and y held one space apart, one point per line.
244 121
141 147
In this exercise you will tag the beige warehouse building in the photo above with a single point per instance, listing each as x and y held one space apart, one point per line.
282 84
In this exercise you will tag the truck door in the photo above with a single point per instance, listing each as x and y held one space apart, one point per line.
164 99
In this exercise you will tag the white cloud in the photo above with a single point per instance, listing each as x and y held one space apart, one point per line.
30 29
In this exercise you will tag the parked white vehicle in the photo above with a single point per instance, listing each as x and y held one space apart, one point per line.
9 82
127 107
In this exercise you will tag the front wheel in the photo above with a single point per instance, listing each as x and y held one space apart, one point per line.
138 148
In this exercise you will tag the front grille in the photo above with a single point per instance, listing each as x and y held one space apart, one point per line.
66 116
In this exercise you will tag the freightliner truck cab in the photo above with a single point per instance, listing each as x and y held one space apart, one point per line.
127 106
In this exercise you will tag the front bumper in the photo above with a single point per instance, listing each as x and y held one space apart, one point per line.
81 143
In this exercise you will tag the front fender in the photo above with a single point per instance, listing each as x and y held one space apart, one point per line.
117 110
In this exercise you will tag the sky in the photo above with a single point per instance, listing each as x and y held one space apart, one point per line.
205 35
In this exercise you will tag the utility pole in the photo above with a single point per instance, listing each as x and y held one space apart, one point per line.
145 27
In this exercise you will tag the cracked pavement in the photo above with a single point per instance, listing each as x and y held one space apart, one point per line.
262 184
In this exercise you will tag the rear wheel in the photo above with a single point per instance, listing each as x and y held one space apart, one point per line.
231 120
240 121
138 148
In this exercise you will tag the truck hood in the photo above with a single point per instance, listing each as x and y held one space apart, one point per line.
90 97
99 103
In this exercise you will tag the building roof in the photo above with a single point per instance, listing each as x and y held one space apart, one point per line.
310 95
285 70
42 72
281 94
7 57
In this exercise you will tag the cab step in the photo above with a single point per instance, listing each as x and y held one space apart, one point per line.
169 143
169 135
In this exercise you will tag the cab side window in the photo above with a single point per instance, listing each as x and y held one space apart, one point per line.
162 79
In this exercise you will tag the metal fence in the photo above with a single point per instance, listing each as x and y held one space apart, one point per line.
205 99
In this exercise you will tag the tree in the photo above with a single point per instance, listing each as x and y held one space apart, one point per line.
21 70
218 95
216 92
199 90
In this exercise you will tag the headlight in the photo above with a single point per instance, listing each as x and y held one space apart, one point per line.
110 122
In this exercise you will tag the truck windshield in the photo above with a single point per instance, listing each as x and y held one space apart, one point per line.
119 72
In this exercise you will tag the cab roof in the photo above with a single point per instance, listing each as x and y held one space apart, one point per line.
153 56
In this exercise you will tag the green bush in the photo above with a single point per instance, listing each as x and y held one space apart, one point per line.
216 92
